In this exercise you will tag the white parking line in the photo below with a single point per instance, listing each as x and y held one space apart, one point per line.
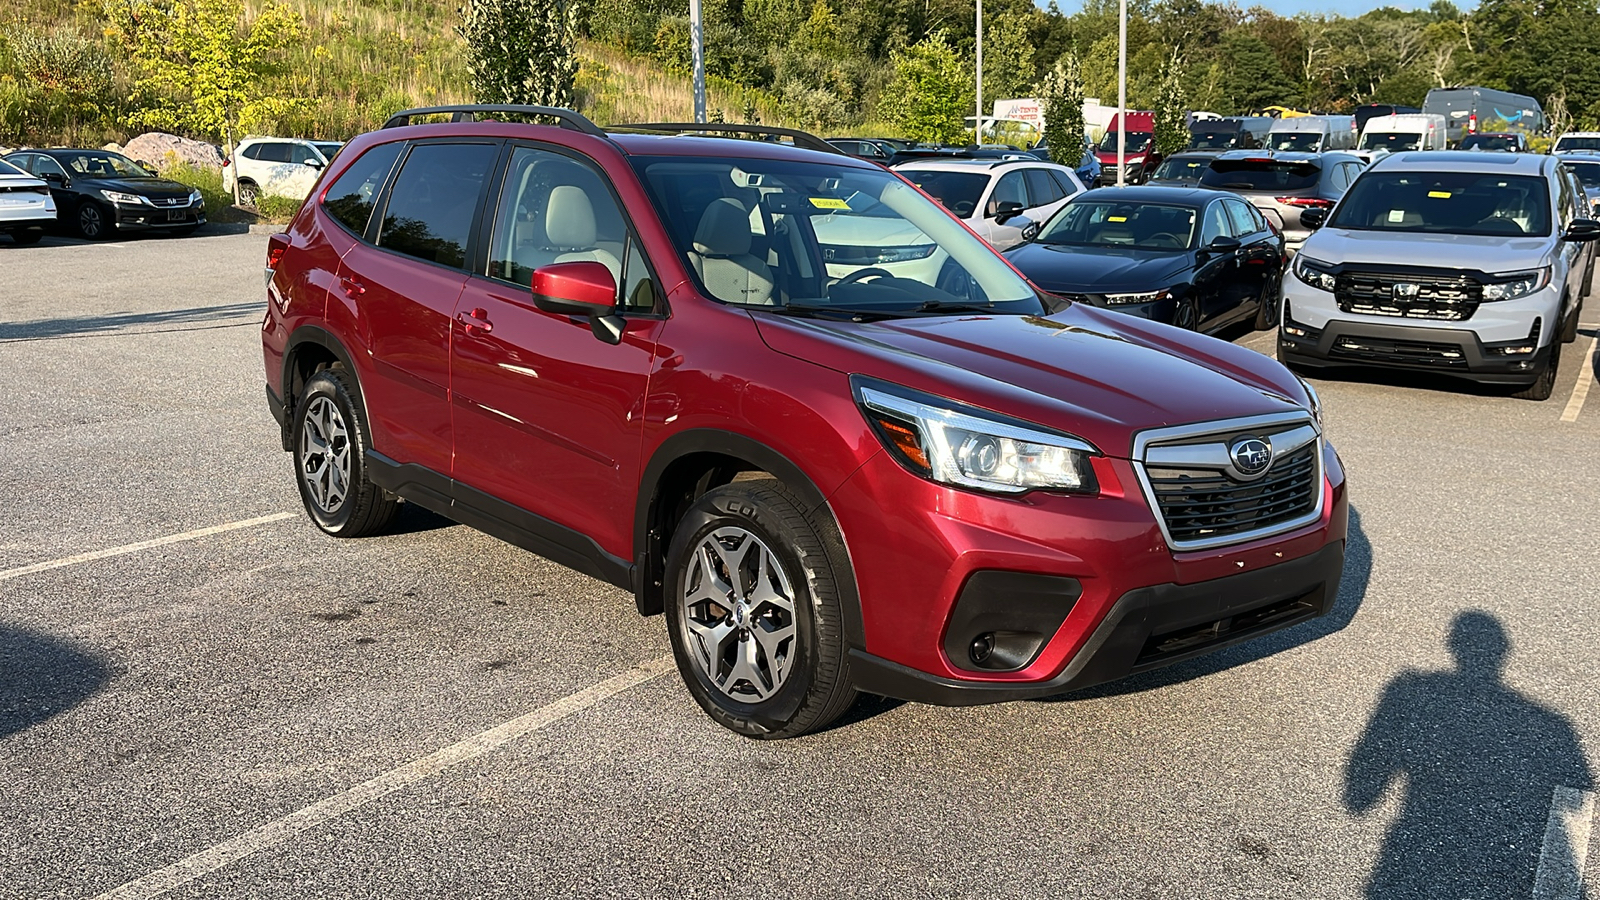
278 831
1566 845
1580 391
8 574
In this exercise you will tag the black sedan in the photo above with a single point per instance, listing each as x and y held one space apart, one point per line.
100 193
1197 259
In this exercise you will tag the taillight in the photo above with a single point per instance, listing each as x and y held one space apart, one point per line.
277 245
227 162
1306 202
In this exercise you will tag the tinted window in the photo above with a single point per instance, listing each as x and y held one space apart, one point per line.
1042 189
329 150
9 167
554 209
1181 169
1064 181
1393 141
103 165
955 191
1244 224
252 152
434 200
1136 142
1446 203
1260 175
351 197
275 151
1587 172
47 165
1213 140
1489 142
1577 143
1302 141
1107 223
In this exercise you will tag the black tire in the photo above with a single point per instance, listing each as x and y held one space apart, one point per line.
1569 327
1542 388
95 222
361 508
816 686
1267 309
1186 314
28 236
249 194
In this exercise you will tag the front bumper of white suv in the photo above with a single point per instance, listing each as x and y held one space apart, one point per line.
1425 320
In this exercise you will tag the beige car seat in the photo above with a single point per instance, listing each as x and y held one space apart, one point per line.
722 257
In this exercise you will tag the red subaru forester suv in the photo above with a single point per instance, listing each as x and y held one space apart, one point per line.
790 402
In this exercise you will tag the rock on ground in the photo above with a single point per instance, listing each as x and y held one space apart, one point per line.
154 147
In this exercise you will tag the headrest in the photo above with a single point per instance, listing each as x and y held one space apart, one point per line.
724 229
569 220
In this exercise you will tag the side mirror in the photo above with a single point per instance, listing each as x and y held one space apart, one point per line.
1582 231
1007 209
54 178
1223 245
1313 218
580 289
312 163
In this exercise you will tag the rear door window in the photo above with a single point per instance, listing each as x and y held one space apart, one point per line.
1244 224
1215 224
1042 189
434 201
351 197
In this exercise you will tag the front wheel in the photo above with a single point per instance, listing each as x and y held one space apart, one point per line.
330 445
94 221
1546 383
754 613
1267 309
1187 315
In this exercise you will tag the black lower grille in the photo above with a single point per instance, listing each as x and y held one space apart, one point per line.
1446 297
1198 637
1201 504
1422 353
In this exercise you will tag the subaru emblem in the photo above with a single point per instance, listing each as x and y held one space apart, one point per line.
1251 456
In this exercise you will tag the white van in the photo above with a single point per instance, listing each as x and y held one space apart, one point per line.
1412 131
1313 134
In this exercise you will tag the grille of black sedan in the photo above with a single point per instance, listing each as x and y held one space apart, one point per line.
1201 504
1414 296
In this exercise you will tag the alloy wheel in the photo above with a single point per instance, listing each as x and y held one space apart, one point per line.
325 455
739 614
90 221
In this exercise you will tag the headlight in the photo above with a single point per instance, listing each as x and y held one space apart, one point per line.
1315 401
194 197
847 255
124 199
1521 284
1130 299
972 449
1313 273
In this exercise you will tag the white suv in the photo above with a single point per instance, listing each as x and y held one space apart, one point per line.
1004 201
283 167
1468 264
26 206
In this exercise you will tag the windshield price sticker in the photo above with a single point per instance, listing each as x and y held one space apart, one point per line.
828 203
1439 195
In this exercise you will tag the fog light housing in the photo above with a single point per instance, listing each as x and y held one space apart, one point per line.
982 648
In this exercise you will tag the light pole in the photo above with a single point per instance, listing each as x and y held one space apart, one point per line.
697 39
977 120
1122 92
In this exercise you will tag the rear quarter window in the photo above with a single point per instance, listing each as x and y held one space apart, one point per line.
350 199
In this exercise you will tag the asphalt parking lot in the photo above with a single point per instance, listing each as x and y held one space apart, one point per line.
233 705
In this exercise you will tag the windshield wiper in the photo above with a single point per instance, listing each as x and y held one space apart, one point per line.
839 313
942 306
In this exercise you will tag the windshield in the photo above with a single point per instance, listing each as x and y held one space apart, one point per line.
1260 175
955 191
1392 141
1108 223
1306 141
817 238
1587 172
1137 141
1577 143
1446 203
1181 169
1488 142
1213 140
100 164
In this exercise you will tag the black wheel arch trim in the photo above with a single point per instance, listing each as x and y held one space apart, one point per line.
321 337
649 531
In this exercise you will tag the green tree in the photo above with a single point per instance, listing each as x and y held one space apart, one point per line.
1007 56
931 91
1251 76
1060 94
521 51
203 64
1172 107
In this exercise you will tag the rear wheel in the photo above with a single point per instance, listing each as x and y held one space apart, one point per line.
248 194
754 613
330 445
1545 385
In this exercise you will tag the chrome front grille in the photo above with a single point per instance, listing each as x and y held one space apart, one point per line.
1203 499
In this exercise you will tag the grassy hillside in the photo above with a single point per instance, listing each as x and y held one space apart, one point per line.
359 61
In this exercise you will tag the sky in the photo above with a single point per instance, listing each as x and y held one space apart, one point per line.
1292 7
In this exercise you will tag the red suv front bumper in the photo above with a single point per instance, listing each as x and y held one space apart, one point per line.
1071 591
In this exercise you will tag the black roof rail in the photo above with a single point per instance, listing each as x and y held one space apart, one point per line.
801 139
569 119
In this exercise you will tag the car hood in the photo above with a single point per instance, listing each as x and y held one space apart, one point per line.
150 187
1097 270
1100 375
1485 253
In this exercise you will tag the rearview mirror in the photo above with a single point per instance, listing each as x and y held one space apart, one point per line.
580 289
1582 231
1007 209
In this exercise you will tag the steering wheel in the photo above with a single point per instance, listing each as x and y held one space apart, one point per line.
859 274
1164 240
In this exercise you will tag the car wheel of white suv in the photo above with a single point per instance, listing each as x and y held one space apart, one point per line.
1546 384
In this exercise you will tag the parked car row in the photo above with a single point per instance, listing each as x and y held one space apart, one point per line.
99 193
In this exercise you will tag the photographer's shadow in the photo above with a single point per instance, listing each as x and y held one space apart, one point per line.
1480 766
42 676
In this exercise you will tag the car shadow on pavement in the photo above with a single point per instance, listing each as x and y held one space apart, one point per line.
1352 590
414 519
103 324
1483 771
42 676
